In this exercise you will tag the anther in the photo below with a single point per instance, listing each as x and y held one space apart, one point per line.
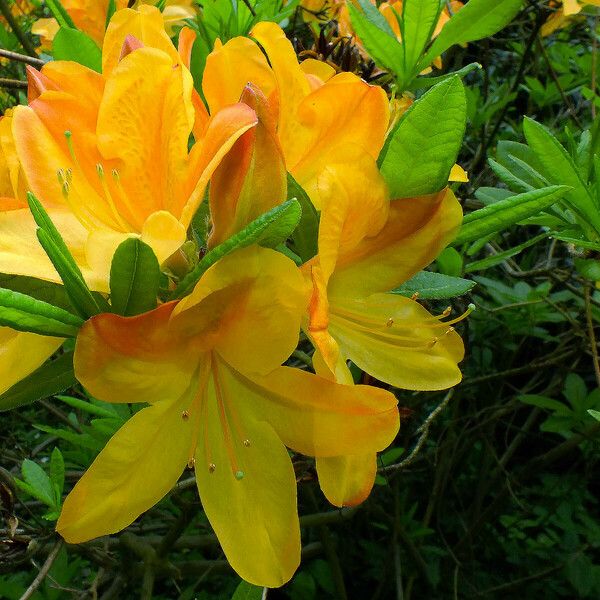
65 189
191 463
447 311
185 415
211 468
239 475
415 296
247 443
100 170
433 342
390 322
115 175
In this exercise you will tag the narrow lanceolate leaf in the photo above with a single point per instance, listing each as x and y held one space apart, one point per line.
53 244
434 286
421 150
39 482
504 213
478 19
427 82
79 294
24 313
419 17
75 45
134 278
247 591
304 240
379 40
51 378
269 230
560 168
60 14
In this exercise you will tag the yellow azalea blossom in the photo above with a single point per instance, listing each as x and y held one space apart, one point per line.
564 13
319 116
209 367
107 155
90 17
367 247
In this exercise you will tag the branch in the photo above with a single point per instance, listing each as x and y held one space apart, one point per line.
35 584
34 62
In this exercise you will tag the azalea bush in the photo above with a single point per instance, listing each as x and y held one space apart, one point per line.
298 299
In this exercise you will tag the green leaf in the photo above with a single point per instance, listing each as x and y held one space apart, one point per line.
36 477
57 473
546 403
75 45
134 278
86 406
51 378
419 18
559 168
25 313
247 591
379 41
504 213
434 286
496 259
476 20
112 9
49 237
594 413
588 268
450 262
60 14
304 240
419 153
427 82
270 229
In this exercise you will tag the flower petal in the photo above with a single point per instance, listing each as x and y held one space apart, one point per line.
251 178
146 24
416 232
133 359
138 466
347 480
230 67
249 305
164 234
318 417
258 511
21 354
397 341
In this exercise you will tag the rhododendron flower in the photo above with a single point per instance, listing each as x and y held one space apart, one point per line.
209 366
107 155
90 17
565 11
368 247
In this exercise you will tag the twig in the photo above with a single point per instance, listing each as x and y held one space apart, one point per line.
250 7
35 584
10 19
13 83
594 63
424 431
592 334
30 60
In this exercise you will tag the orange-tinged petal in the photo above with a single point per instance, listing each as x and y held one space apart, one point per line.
222 131
354 205
133 359
230 67
146 24
344 112
416 232
251 178
138 466
185 45
147 139
255 517
316 416
21 354
21 253
317 71
251 302
164 234
292 85
397 341
47 30
347 480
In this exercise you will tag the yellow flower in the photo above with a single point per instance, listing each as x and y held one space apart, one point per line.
107 155
90 17
367 247
319 116
565 13
209 367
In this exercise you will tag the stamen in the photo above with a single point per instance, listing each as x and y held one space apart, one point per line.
211 468
185 415
239 475
111 203
390 322
247 443
68 137
191 463
415 296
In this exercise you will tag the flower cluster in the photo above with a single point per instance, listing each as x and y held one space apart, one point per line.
134 152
